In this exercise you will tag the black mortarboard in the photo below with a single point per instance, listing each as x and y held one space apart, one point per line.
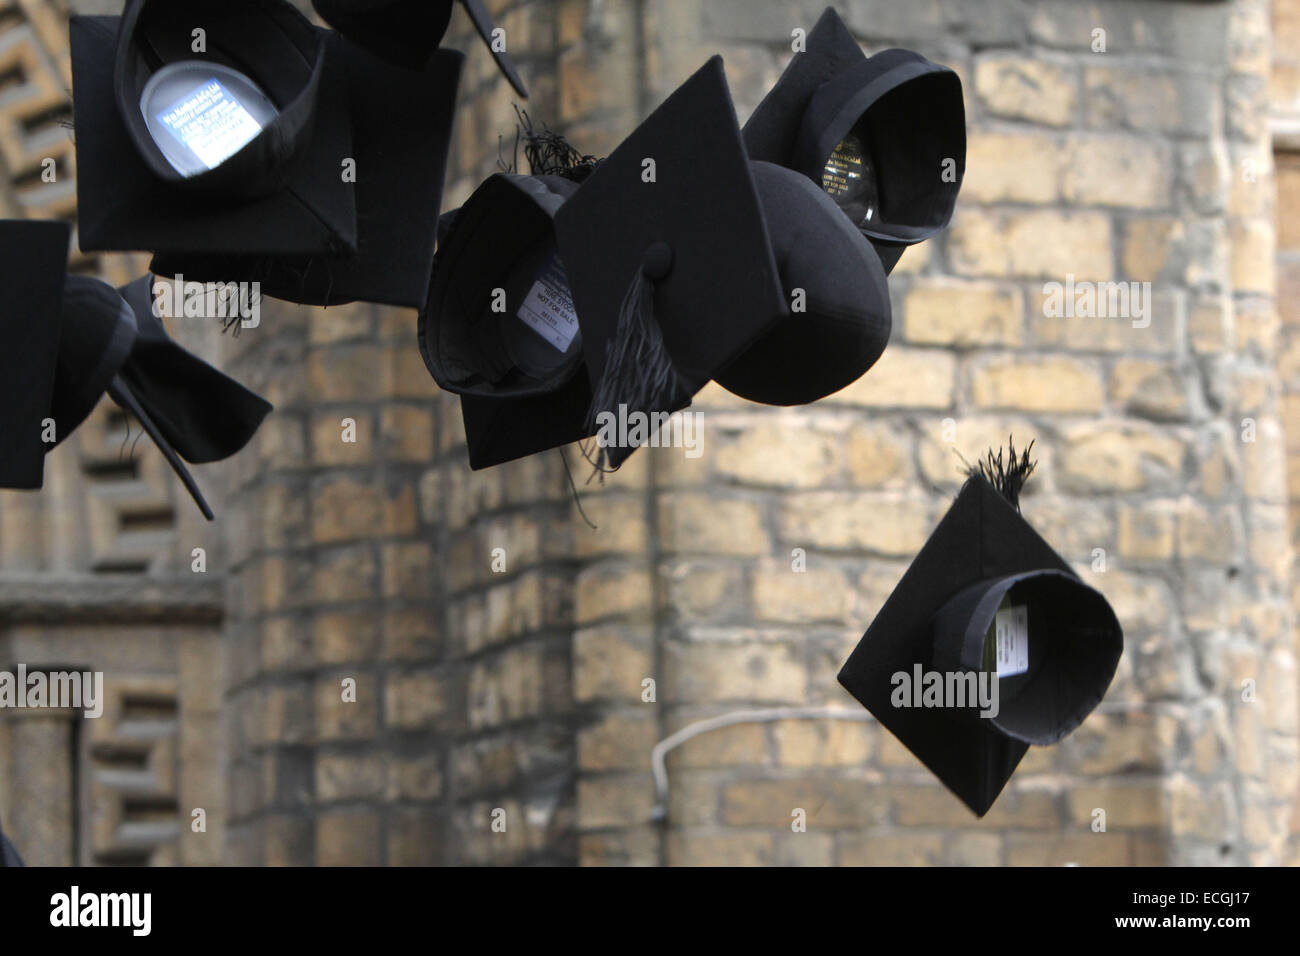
406 32
8 854
280 194
113 342
100 334
201 412
986 595
77 338
99 331
33 258
500 328
885 135
668 256
839 318
286 209
499 320
400 169
498 430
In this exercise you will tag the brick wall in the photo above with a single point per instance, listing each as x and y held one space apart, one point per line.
371 561
331 580
1285 100
523 689
1149 162
334 597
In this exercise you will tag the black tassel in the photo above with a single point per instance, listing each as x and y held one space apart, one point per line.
1008 476
550 154
513 165
639 373
573 486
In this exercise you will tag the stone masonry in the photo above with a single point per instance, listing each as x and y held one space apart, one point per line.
422 664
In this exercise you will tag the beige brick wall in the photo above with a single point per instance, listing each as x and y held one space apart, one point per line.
1285 106
373 561
520 695
1125 165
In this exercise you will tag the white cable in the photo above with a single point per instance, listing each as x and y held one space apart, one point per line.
763 715
658 755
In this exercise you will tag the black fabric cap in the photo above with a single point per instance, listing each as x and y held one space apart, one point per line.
528 415
113 343
267 40
937 618
401 127
1074 646
203 413
503 429
98 333
124 201
8 854
33 257
773 127
910 123
190 410
503 238
407 32
879 133
672 279
69 339
840 326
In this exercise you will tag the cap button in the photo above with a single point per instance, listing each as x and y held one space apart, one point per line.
657 261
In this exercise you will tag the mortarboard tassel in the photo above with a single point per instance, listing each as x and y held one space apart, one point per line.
1007 478
639 374
550 154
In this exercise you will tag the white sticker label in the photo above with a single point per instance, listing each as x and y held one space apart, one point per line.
211 123
548 310
1011 630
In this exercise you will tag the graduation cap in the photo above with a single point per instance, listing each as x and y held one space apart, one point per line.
148 110
685 260
406 32
986 604
113 342
70 339
8 854
669 260
884 136
401 125
650 278
518 367
500 328
191 409
839 318
500 320
161 166
33 259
